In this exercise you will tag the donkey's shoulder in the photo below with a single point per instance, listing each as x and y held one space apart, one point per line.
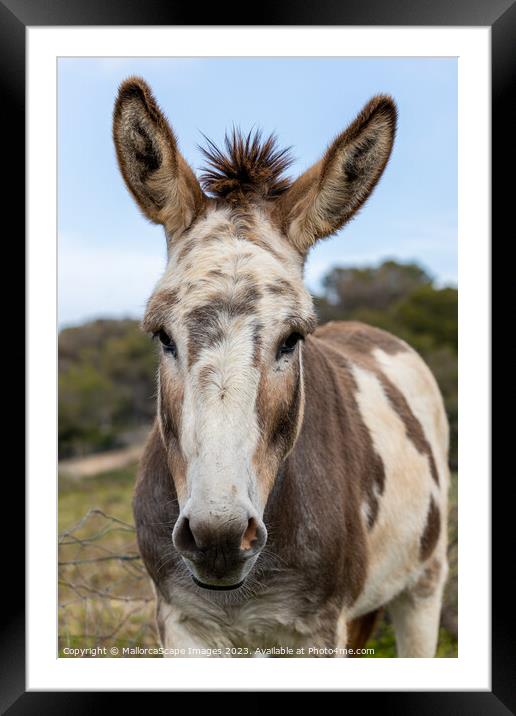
354 337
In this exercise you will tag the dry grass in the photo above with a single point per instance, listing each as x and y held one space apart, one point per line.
105 598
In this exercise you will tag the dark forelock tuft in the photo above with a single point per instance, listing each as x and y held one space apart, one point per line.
249 166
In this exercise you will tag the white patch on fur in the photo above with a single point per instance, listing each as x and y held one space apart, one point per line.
414 380
393 542
342 630
366 513
219 423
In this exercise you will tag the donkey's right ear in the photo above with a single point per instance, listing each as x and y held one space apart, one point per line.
154 170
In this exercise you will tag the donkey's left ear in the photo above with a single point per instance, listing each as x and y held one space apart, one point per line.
327 195
154 170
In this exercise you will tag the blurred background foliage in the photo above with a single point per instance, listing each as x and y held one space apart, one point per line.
107 367
107 381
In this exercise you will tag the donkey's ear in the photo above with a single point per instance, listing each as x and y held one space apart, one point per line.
327 195
157 175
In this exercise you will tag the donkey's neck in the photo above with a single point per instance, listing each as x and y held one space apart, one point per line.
321 483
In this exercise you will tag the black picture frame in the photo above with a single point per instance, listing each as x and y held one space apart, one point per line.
15 17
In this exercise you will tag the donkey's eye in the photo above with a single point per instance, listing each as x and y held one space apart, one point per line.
166 341
289 344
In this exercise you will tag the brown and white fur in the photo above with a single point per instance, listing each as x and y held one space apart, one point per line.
298 474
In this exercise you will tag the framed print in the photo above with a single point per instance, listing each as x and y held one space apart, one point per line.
258 351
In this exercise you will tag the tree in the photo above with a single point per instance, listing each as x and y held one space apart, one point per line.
374 288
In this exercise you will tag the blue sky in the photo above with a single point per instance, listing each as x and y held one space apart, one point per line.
110 256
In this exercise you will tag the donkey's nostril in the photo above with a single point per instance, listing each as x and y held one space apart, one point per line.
249 536
184 538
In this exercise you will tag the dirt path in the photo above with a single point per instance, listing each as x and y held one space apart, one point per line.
78 468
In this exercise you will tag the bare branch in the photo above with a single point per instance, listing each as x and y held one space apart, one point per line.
121 557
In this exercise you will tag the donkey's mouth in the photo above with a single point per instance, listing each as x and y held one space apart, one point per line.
227 575
217 587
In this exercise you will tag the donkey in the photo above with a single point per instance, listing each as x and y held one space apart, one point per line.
295 480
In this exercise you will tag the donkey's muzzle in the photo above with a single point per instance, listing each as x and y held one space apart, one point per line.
219 552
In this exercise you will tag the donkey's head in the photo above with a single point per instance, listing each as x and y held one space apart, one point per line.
231 311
